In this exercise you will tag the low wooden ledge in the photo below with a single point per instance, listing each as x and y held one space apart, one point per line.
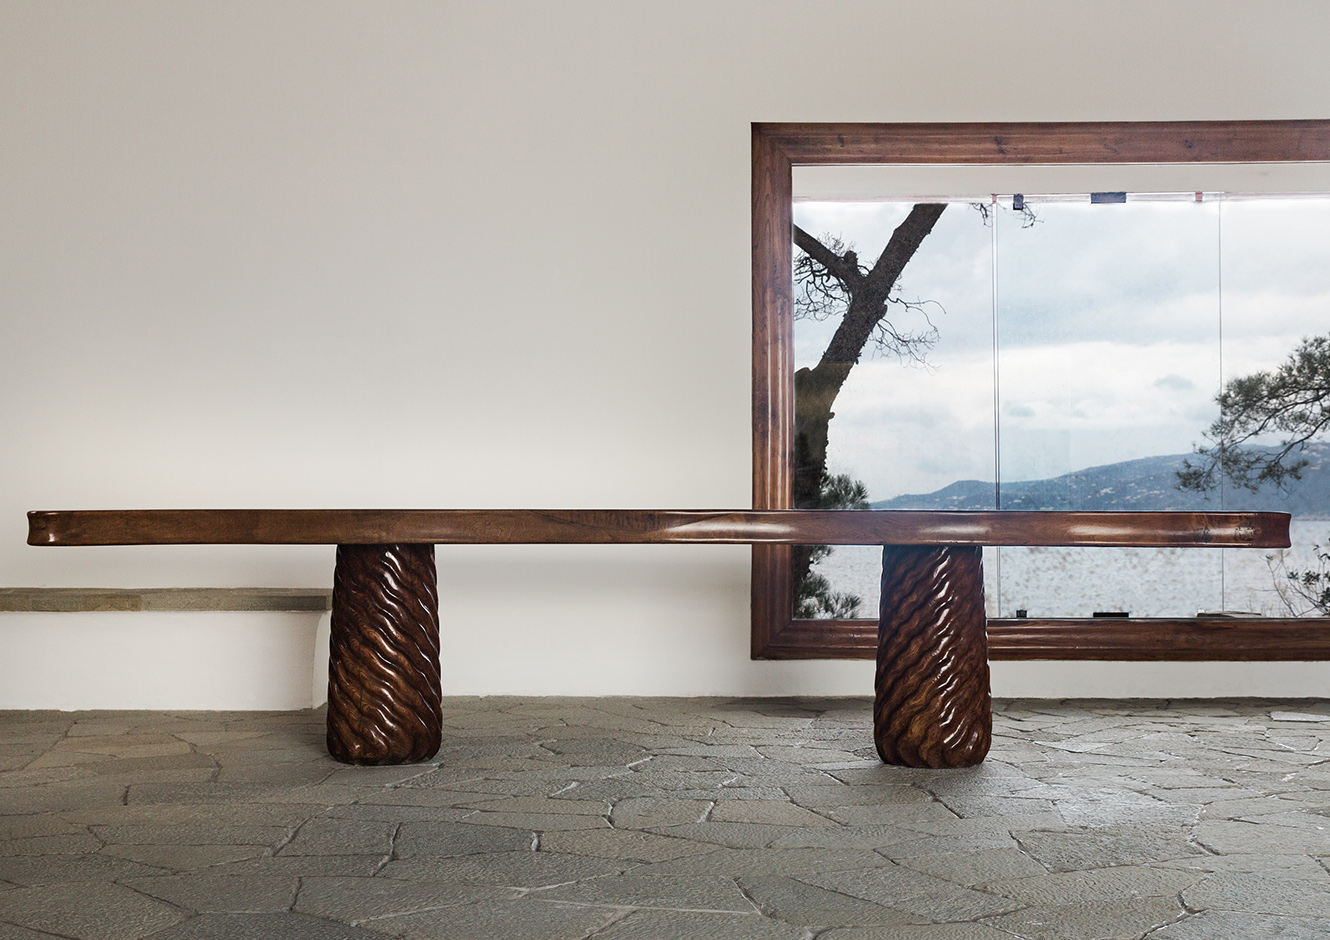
81 600
1134 639
650 526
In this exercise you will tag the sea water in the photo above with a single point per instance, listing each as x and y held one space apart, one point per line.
1146 582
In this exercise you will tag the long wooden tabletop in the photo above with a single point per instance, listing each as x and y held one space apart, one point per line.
626 526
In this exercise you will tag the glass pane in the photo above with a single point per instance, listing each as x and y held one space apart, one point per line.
906 422
1276 292
1108 360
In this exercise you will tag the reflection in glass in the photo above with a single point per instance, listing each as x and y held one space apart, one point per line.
1276 292
1074 352
914 421
1108 353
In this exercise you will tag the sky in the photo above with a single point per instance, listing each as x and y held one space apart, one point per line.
1115 326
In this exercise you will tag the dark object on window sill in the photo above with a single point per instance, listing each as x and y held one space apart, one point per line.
1113 614
1022 613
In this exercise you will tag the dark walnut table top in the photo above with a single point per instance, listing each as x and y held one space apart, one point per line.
653 526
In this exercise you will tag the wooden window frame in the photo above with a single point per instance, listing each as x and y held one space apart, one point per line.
777 148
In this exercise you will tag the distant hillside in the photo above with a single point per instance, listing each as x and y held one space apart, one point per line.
1145 484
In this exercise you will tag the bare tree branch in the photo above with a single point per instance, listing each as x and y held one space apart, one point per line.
844 269
819 293
831 281
869 303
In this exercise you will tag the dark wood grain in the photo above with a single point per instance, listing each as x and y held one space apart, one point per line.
650 526
384 692
773 337
1052 142
1162 640
823 639
1136 639
777 147
931 704
773 382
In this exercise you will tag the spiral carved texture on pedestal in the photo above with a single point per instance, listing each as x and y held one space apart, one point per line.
384 695
932 706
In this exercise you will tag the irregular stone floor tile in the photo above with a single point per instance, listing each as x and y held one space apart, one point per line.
644 890
1261 893
358 900
1099 920
11 932
265 927
524 917
1209 925
695 925
100 911
917 932
620 818
211 893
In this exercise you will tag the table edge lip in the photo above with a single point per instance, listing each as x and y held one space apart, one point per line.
1123 528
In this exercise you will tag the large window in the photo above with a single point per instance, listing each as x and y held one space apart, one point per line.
1047 350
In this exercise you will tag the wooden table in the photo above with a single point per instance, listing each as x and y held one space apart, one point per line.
931 708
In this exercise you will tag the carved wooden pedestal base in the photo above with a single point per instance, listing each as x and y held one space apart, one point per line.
932 706
384 695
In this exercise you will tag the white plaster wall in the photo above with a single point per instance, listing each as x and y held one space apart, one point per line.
162 660
454 254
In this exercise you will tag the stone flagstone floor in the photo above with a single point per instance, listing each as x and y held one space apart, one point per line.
622 818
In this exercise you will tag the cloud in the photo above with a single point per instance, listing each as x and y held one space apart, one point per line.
1175 382
1108 334
1136 274
1064 407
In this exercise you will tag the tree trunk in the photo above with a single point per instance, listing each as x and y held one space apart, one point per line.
815 389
